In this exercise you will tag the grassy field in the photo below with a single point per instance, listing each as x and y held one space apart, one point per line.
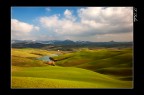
107 61
100 68
63 77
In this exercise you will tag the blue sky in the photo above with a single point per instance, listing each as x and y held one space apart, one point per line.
27 14
73 23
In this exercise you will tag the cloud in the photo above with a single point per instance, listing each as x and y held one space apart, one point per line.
107 20
93 21
106 15
20 29
67 12
68 15
90 23
116 37
19 26
60 26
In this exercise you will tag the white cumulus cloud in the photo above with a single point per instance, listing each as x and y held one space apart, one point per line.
67 12
68 15
107 20
19 26
20 29
93 22
90 23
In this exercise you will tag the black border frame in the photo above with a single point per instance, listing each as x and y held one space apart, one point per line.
6 51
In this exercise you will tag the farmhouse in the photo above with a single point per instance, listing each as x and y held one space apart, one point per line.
51 62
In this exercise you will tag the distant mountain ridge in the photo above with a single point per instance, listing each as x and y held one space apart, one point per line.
57 41
66 43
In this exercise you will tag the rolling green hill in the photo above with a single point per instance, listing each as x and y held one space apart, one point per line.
27 57
63 77
84 68
106 61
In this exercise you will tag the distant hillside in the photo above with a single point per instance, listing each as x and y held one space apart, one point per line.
67 45
106 61
83 68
